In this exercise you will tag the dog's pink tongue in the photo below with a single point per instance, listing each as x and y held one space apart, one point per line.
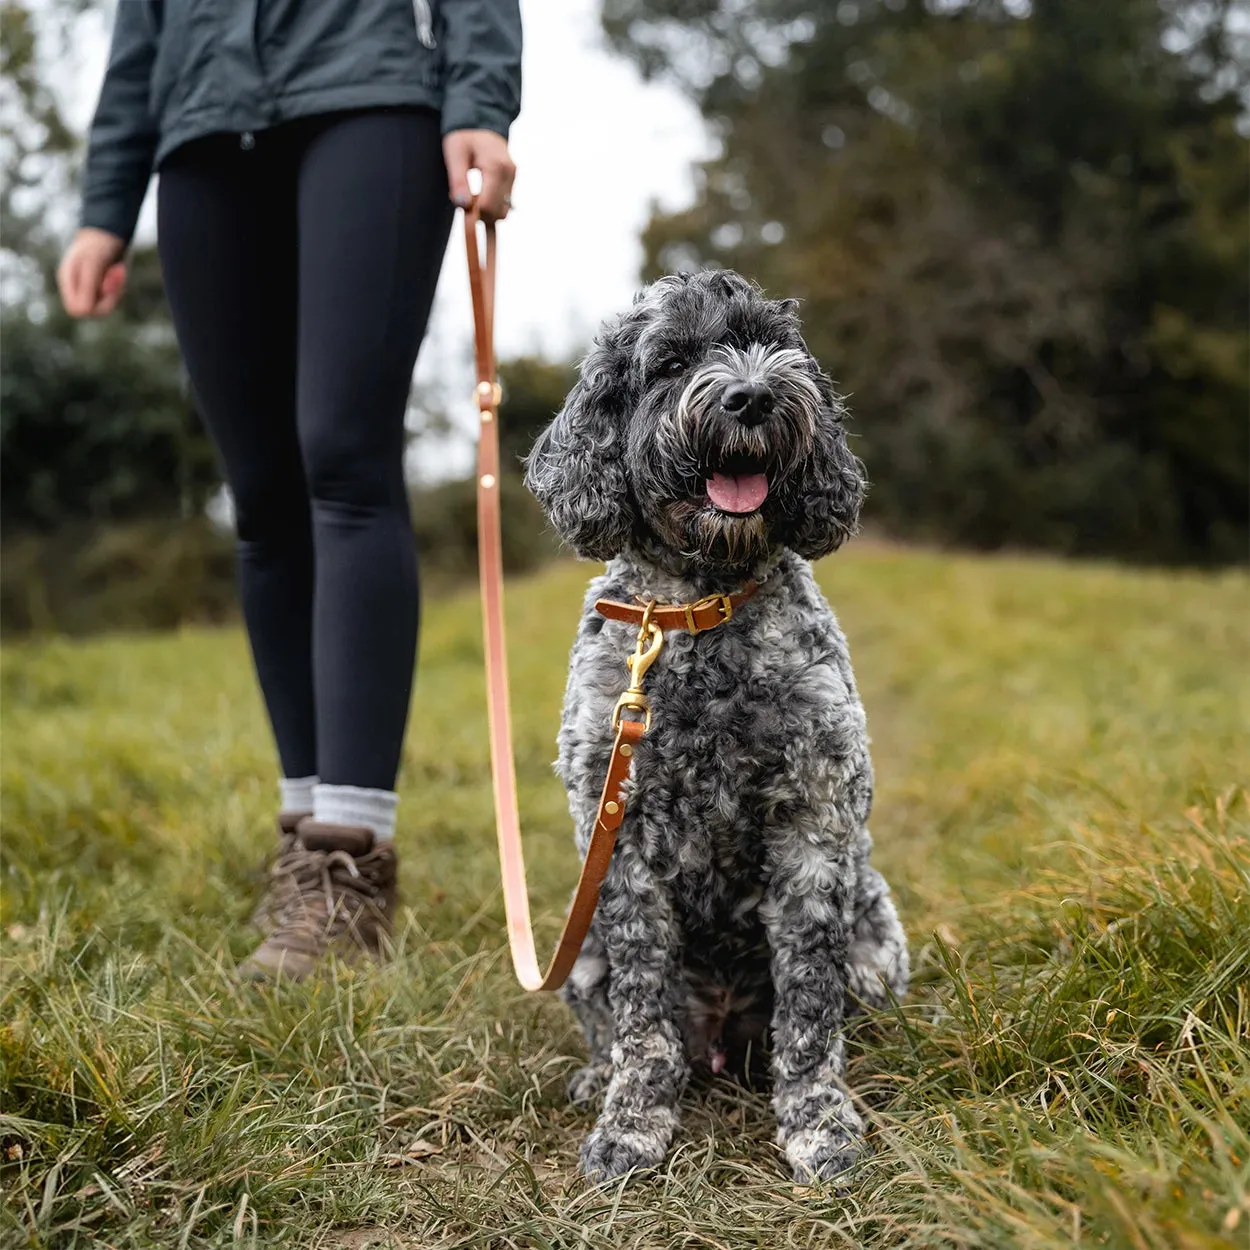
737 492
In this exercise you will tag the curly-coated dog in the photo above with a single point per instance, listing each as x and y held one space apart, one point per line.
702 448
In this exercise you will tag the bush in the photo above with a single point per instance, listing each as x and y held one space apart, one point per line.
445 520
161 574
95 425
147 575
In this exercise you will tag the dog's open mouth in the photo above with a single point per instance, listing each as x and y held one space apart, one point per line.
739 486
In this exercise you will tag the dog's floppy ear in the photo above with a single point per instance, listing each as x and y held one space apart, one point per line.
828 512
576 468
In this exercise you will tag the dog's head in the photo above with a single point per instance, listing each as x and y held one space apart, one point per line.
701 426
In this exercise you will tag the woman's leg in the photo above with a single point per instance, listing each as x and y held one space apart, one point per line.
227 238
374 217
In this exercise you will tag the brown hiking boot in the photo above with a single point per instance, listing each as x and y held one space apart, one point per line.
342 899
281 888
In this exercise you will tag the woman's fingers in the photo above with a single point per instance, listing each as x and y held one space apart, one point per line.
74 279
112 287
486 152
91 277
458 157
497 188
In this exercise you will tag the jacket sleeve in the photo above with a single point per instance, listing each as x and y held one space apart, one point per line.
481 42
124 133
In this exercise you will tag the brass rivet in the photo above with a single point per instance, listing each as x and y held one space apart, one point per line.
626 749
611 807
488 480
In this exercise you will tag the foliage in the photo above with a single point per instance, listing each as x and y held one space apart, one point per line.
166 573
88 578
35 143
1057 750
1020 233
445 520
95 424
533 392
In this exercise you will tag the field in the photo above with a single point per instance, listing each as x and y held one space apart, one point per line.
1061 750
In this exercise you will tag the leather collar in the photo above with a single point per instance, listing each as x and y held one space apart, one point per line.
694 618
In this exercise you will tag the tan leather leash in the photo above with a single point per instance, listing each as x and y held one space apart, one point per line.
651 618
490 568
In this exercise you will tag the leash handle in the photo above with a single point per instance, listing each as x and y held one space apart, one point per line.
503 767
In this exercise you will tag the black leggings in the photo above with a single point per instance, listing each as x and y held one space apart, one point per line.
300 265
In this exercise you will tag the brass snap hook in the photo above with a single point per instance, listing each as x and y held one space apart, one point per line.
646 650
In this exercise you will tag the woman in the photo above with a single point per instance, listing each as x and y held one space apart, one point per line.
309 159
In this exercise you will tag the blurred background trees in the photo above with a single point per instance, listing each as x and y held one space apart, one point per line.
1019 231
95 425
1020 234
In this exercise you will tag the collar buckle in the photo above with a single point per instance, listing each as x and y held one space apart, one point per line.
724 602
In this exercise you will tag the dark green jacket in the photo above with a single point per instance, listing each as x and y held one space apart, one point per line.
181 69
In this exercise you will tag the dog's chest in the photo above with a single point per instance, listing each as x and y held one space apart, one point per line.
716 777
746 718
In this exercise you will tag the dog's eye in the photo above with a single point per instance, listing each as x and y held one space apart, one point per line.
672 367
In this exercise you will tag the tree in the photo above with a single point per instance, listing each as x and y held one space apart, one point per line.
95 425
1020 235
533 391
35 151
95 422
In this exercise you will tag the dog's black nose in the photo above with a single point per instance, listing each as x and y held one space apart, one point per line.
750 402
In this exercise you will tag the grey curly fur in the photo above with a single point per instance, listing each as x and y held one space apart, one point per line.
740 907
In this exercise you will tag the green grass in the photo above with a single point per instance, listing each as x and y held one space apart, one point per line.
1059 752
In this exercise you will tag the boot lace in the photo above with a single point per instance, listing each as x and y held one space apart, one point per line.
331 888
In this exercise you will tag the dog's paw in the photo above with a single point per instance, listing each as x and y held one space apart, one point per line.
824 1152
587 1083
875 973
626 1144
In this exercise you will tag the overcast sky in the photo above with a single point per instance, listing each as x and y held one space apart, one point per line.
594 147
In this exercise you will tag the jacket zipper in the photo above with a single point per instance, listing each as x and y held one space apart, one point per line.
424 15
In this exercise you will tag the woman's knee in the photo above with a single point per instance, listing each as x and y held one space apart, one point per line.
271 509
346 471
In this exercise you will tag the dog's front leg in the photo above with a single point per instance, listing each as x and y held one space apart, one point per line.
642 942
806 911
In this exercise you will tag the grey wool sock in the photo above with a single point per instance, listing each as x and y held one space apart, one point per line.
355 805
296 793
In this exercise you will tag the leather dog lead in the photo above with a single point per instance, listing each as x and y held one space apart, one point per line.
503 767
652 620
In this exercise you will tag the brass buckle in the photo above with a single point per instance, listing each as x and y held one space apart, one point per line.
646 649
726 612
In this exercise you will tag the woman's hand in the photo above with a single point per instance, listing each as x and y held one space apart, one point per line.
486 151
92 275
